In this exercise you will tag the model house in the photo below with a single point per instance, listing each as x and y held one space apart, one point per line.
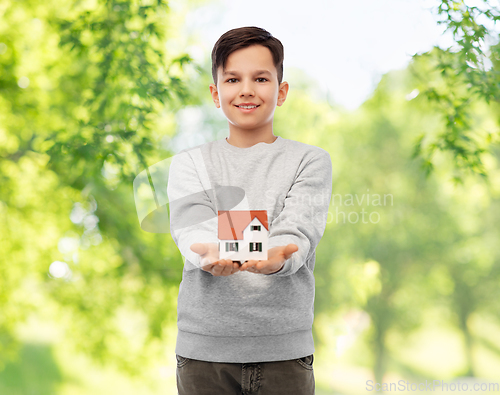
243 235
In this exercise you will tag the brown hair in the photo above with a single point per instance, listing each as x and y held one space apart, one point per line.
243 37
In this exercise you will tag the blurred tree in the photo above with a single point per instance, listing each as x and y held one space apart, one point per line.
471 263
457 77
87 92
406 254
378 260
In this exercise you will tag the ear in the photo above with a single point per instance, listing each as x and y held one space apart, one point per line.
215 95
283 91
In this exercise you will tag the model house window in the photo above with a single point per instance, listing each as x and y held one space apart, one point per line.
255 247
231 247
255 227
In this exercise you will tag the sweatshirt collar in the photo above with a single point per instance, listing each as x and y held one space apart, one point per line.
276 144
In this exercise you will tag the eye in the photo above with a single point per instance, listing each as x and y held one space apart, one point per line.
262 78
231 79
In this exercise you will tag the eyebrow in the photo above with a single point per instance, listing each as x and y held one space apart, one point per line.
258 72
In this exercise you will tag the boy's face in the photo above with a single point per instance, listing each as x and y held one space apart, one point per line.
244 82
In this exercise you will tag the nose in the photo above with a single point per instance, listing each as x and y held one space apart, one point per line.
247 88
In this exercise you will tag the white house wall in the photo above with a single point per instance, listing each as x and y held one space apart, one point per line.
249 236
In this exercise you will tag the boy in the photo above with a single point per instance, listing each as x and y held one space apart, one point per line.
248 329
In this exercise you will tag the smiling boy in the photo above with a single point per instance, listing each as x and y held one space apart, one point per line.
248 92
248 329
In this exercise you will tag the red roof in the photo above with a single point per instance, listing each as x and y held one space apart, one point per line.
232 223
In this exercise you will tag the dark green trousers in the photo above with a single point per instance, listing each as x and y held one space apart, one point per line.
294 376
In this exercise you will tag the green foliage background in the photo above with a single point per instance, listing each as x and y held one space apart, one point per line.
91 93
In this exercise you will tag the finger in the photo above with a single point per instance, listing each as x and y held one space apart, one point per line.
248 264
252 263
217 270
262 264
290 249
199 248
255 270
226 263
228 269
207 268
208 260
221 267
234 270
251 269
236 267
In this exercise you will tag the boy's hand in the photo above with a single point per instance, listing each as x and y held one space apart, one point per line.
276 258
210 261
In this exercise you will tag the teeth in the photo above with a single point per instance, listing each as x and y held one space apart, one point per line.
247 106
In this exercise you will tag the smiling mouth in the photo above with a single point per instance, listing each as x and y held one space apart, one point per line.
247 107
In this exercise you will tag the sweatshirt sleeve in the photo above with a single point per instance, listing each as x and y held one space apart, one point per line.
193 216
302 220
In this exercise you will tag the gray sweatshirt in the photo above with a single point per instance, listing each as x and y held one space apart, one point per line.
248 317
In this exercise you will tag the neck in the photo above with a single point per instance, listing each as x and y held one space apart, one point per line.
245 140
